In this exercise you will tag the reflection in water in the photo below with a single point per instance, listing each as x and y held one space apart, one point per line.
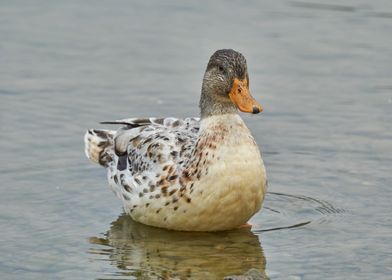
147 252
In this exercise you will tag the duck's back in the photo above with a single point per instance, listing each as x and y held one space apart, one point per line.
143 158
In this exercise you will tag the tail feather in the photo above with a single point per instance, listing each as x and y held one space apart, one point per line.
96 142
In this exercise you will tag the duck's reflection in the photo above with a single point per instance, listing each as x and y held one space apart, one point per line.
149 253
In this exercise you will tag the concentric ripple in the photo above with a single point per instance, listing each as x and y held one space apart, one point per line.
285 211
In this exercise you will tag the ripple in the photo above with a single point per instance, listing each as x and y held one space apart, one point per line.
323 6
286 211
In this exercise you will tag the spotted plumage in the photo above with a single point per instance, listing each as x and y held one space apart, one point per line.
187 174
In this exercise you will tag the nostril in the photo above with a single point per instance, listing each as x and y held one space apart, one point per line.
255 110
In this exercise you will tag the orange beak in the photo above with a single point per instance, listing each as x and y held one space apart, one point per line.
240 96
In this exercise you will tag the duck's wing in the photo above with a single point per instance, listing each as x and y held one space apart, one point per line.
138 132
150 152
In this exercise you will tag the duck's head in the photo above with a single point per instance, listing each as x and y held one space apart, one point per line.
226 86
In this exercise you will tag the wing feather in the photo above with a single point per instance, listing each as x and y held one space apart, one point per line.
146 149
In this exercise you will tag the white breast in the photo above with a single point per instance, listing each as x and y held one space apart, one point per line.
234 188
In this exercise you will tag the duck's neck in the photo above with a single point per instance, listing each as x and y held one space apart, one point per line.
214 104
223 128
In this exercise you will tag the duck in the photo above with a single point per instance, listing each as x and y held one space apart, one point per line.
192 174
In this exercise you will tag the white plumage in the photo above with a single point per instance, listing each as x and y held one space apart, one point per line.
189 174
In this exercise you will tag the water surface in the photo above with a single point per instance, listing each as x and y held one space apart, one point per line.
322 70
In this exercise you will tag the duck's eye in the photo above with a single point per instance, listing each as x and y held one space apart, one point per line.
221 69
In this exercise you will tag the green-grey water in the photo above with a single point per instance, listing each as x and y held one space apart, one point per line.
321 69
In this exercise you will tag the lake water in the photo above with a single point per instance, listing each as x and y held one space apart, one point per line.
321 69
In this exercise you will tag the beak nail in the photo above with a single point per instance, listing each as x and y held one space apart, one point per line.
255 110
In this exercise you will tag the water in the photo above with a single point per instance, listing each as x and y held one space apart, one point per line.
322 70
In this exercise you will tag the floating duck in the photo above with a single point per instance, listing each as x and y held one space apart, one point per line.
192 174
